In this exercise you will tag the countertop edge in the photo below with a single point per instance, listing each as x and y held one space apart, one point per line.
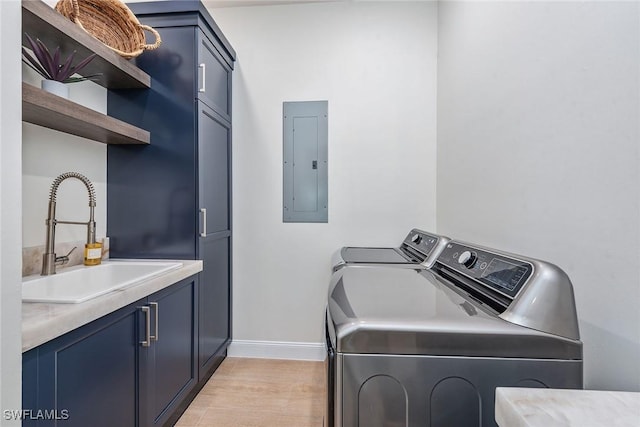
541 407
505 412
44 322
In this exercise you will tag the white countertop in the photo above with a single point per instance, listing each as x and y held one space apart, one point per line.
540 407
44 322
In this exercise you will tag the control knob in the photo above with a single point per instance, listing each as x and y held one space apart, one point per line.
468 259
416 239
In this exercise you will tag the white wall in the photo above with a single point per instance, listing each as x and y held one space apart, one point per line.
375 62
538 130
10 192
47 154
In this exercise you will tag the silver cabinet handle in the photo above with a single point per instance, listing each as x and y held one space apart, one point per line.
203 211
203 88
155 306
147 342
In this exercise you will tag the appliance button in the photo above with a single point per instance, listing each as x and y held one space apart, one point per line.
416 239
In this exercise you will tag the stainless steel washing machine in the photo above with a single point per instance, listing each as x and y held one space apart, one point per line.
419 247
411 347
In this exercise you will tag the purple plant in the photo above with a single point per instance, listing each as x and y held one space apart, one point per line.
50 66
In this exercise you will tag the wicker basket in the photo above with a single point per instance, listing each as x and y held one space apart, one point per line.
111 22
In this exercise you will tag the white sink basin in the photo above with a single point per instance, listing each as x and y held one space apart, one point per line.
79 284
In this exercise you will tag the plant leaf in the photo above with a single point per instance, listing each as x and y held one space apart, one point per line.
31 42
65 70
74 80
33 63
80 65
82 78
40 55
96 76
56 63
51 67
44 56
33 68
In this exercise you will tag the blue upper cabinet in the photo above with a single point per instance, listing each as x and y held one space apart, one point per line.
214 149
152 190
172 198
214 77
157 193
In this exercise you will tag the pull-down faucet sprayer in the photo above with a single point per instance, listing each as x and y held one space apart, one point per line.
49 259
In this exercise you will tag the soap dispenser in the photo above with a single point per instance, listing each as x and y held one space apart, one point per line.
93 253
93 249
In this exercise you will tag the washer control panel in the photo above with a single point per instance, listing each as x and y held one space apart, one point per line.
506 275
421 241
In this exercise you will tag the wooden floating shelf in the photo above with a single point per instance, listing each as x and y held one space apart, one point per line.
41 21
45 109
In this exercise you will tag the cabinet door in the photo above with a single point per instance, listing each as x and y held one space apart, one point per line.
214 77
151 190
215 300
171 371
88 377
214 143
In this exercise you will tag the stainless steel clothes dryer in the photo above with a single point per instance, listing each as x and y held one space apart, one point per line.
419 247
428 347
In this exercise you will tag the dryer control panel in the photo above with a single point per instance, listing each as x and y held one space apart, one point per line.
502 274
423 242
524 291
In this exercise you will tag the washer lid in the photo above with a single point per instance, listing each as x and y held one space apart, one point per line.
382 310
355 255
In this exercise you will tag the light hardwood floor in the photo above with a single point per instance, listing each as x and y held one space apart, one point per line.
260 393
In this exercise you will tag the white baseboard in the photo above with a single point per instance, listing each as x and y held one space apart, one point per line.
277 350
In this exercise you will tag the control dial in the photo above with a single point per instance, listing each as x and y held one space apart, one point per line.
416 239
468 259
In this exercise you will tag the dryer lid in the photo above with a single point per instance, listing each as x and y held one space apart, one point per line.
403 311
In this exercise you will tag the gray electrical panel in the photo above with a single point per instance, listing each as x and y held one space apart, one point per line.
305 162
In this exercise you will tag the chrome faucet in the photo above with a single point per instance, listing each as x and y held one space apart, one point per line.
49 259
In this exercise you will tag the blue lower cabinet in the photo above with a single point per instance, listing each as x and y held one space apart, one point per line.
214 303
102 375
170 368
87 377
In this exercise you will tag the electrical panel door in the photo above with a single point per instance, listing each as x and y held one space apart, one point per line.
305 162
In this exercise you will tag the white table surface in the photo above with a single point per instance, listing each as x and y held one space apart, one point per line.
539 407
